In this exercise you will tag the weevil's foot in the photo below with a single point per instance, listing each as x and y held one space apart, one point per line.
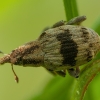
74 72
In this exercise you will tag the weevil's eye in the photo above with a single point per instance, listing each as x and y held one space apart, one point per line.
16 77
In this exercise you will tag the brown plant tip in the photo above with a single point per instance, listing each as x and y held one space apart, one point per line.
64 46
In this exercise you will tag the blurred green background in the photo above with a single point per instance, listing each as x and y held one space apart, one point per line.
22 21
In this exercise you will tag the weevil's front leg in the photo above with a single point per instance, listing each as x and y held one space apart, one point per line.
74 72
60 23
76 20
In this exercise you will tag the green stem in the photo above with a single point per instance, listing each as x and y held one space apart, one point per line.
71 10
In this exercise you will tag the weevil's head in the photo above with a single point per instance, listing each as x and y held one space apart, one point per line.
29 54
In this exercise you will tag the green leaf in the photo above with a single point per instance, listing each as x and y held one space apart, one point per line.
57 89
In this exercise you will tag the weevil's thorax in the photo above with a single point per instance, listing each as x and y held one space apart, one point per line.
69 46
29 54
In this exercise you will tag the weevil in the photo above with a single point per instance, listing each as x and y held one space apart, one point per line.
64 46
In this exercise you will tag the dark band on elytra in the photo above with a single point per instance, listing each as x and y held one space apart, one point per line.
68 48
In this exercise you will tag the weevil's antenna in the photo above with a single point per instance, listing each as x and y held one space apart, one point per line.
16 77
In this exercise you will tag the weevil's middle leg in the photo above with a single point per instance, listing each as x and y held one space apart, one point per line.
76 20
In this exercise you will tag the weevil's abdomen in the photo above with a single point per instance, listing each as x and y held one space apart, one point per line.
69 46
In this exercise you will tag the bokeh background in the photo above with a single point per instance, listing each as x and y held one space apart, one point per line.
22 21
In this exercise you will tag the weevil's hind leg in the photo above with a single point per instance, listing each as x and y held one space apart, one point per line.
61 73
60 23
74 72
76 20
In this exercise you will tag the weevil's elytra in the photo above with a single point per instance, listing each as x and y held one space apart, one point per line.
64 46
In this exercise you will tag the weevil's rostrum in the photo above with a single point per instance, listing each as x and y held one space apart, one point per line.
64 46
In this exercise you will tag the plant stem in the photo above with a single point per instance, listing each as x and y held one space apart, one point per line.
70 9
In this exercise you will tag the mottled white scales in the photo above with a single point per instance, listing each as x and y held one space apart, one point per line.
64 46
